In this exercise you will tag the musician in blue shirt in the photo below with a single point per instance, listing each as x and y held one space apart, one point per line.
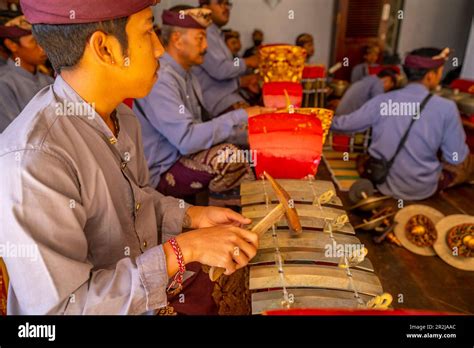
182 143
221 75
19 78
364 90
417 172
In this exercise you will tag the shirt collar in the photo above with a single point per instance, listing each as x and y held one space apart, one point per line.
66 94
213 28
174 64
416 87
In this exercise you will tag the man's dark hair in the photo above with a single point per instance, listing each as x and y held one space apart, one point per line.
414 74
65 44
389 73
302 39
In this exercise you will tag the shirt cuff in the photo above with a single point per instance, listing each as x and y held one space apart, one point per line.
239 116
173 217
243 67
153 273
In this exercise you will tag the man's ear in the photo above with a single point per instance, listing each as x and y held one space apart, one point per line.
11 45
105 49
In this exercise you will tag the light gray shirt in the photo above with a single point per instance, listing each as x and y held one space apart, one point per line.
79 199
17 87
218 75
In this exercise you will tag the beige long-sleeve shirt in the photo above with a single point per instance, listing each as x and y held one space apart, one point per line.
79 224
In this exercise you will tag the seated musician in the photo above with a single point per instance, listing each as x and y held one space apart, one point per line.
183 146
416 172
20 79
371 55
257 38
232 40
306 41
75 185
221 75
364 90
251 93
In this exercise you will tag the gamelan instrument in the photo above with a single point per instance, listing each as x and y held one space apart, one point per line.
455 242
312 261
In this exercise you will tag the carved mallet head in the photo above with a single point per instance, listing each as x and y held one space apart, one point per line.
290 211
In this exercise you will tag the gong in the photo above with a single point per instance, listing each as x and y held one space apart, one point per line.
455 243
416 228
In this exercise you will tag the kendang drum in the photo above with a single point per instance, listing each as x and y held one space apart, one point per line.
282 94
286 145
324 115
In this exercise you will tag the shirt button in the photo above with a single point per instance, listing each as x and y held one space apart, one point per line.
113 140
137 206
123 165
145 244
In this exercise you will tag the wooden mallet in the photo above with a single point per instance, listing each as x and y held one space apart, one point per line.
284 208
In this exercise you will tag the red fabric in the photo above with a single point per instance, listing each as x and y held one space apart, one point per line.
418 62
80 11
288 146
129 103
375 69
340 142
274 94
196 296
314 72
466 86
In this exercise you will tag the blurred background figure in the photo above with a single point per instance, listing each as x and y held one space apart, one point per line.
20 77
371 55
306 41
232 40
363 90
257 38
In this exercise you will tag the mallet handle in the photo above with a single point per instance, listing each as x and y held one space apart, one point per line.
260 228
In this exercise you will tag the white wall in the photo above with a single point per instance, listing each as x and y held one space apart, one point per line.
468 67
436 23
312 16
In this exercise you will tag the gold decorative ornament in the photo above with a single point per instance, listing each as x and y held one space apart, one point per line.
416 228
461 237
280 63
455 244
421 231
